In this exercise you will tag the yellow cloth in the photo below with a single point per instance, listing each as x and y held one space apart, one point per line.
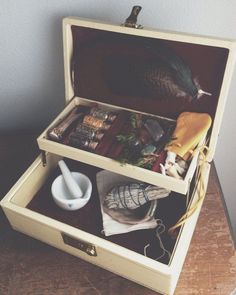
190 130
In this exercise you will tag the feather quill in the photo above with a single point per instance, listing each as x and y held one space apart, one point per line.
165 76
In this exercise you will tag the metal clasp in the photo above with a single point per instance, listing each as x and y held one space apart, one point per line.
79 244
131 21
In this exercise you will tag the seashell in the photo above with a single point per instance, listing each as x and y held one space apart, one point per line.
133 195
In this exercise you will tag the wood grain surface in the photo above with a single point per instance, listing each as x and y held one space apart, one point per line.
29 267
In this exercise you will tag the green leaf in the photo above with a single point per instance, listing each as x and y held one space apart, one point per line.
125 138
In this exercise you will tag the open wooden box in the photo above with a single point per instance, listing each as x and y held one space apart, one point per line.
29 206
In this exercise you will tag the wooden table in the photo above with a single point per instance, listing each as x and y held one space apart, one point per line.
29 267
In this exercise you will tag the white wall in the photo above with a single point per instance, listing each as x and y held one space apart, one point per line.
31 68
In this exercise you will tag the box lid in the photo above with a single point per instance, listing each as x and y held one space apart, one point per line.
96 55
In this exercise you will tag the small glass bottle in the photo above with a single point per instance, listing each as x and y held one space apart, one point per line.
81 142
102 114
88 132
96 123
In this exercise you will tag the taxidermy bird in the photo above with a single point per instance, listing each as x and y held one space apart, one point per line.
164 75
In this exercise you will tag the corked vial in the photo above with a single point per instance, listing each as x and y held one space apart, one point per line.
80 142
102 114
96 123
88 132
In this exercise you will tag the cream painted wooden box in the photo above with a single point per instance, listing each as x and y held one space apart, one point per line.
125 261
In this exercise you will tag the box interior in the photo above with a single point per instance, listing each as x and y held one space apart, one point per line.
99 72
109 146
89 218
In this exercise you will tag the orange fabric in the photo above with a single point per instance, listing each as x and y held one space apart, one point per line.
190 130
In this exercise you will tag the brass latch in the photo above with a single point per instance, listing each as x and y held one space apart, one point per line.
131 21
79 244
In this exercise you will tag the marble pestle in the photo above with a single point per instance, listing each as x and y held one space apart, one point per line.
72 185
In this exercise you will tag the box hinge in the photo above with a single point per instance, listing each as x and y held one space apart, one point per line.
131 21
44 158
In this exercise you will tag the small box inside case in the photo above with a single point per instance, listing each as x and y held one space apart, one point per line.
119 71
